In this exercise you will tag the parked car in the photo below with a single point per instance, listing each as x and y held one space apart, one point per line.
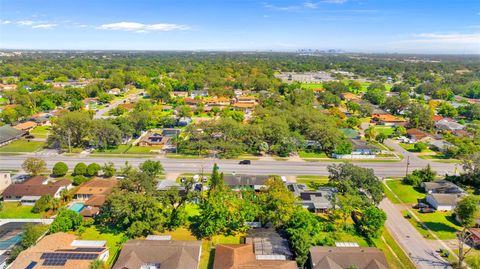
420 205
245 162
427 210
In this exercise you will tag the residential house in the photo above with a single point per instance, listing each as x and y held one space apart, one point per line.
350 133
218 101
25 126
5 180
268 244
179 94
474 237
416 134
448 125
241 256
444 201
348 96
317 201
245 107
159 254
41 119
8 134
362 147
158 138
7 87
347 257
94 193
61 250
192 101
30 190
127 106
115 91
441 186
440 145
184 121
167 184
388 120
199 93
10 237
90 103
237 182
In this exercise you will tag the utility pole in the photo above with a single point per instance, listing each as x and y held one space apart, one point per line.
69 141
408 163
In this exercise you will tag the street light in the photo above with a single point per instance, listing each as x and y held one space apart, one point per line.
408 163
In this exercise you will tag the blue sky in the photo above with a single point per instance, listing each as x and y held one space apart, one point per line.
420 26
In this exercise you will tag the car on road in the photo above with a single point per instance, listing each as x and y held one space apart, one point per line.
420 206
245 162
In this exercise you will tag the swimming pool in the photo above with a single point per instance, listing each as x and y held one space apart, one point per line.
77 207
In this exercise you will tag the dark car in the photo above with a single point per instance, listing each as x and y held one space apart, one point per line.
245 162
427 210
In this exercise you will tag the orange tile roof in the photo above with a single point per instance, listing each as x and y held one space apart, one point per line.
25 125
244 105
97 186
387 118
242 257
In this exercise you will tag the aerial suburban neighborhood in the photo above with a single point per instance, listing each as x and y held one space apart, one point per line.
330 134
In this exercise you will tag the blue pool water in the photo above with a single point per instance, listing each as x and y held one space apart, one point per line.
6 244
77 207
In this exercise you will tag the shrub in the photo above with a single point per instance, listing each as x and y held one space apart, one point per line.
60 169
77 180
43 204
93 169
80 169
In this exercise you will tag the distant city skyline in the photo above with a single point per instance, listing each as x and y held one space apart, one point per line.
443 26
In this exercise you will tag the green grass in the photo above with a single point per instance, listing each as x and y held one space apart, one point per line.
142 150
311 86
439 157
442 224
313 184
118 150
114 241
180 156
396 257
304 154
3 100
407 193
312 177
387 130
11 210
40 131
22 145
411 148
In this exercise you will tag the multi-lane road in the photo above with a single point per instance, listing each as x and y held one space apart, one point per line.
258 167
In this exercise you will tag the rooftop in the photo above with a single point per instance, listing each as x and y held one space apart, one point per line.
345 257
242 257
156 254
35 186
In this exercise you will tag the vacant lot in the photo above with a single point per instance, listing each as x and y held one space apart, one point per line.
22 145
406 193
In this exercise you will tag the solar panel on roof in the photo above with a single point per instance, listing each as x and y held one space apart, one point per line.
31 265
69 256
54 262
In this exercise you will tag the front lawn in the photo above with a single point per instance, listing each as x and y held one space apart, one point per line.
11 210
407 193
313 184
40 131
142 150
311 86
442 224
114 241
120 149
387 130
22 145
304 154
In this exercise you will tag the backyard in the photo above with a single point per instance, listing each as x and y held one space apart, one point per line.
11 210
40 131
114 241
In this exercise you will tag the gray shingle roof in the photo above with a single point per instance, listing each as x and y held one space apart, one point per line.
8 133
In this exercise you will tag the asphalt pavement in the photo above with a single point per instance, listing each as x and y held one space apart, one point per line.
257 167
410 240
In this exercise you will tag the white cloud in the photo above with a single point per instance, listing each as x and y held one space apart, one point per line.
310 5
5 22
334 1
142 28
450 38
25 23
44 26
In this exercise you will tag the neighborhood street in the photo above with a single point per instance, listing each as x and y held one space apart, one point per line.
258 167
100 114
421 253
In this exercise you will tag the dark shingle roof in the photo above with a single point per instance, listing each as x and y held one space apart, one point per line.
8 133
343 257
